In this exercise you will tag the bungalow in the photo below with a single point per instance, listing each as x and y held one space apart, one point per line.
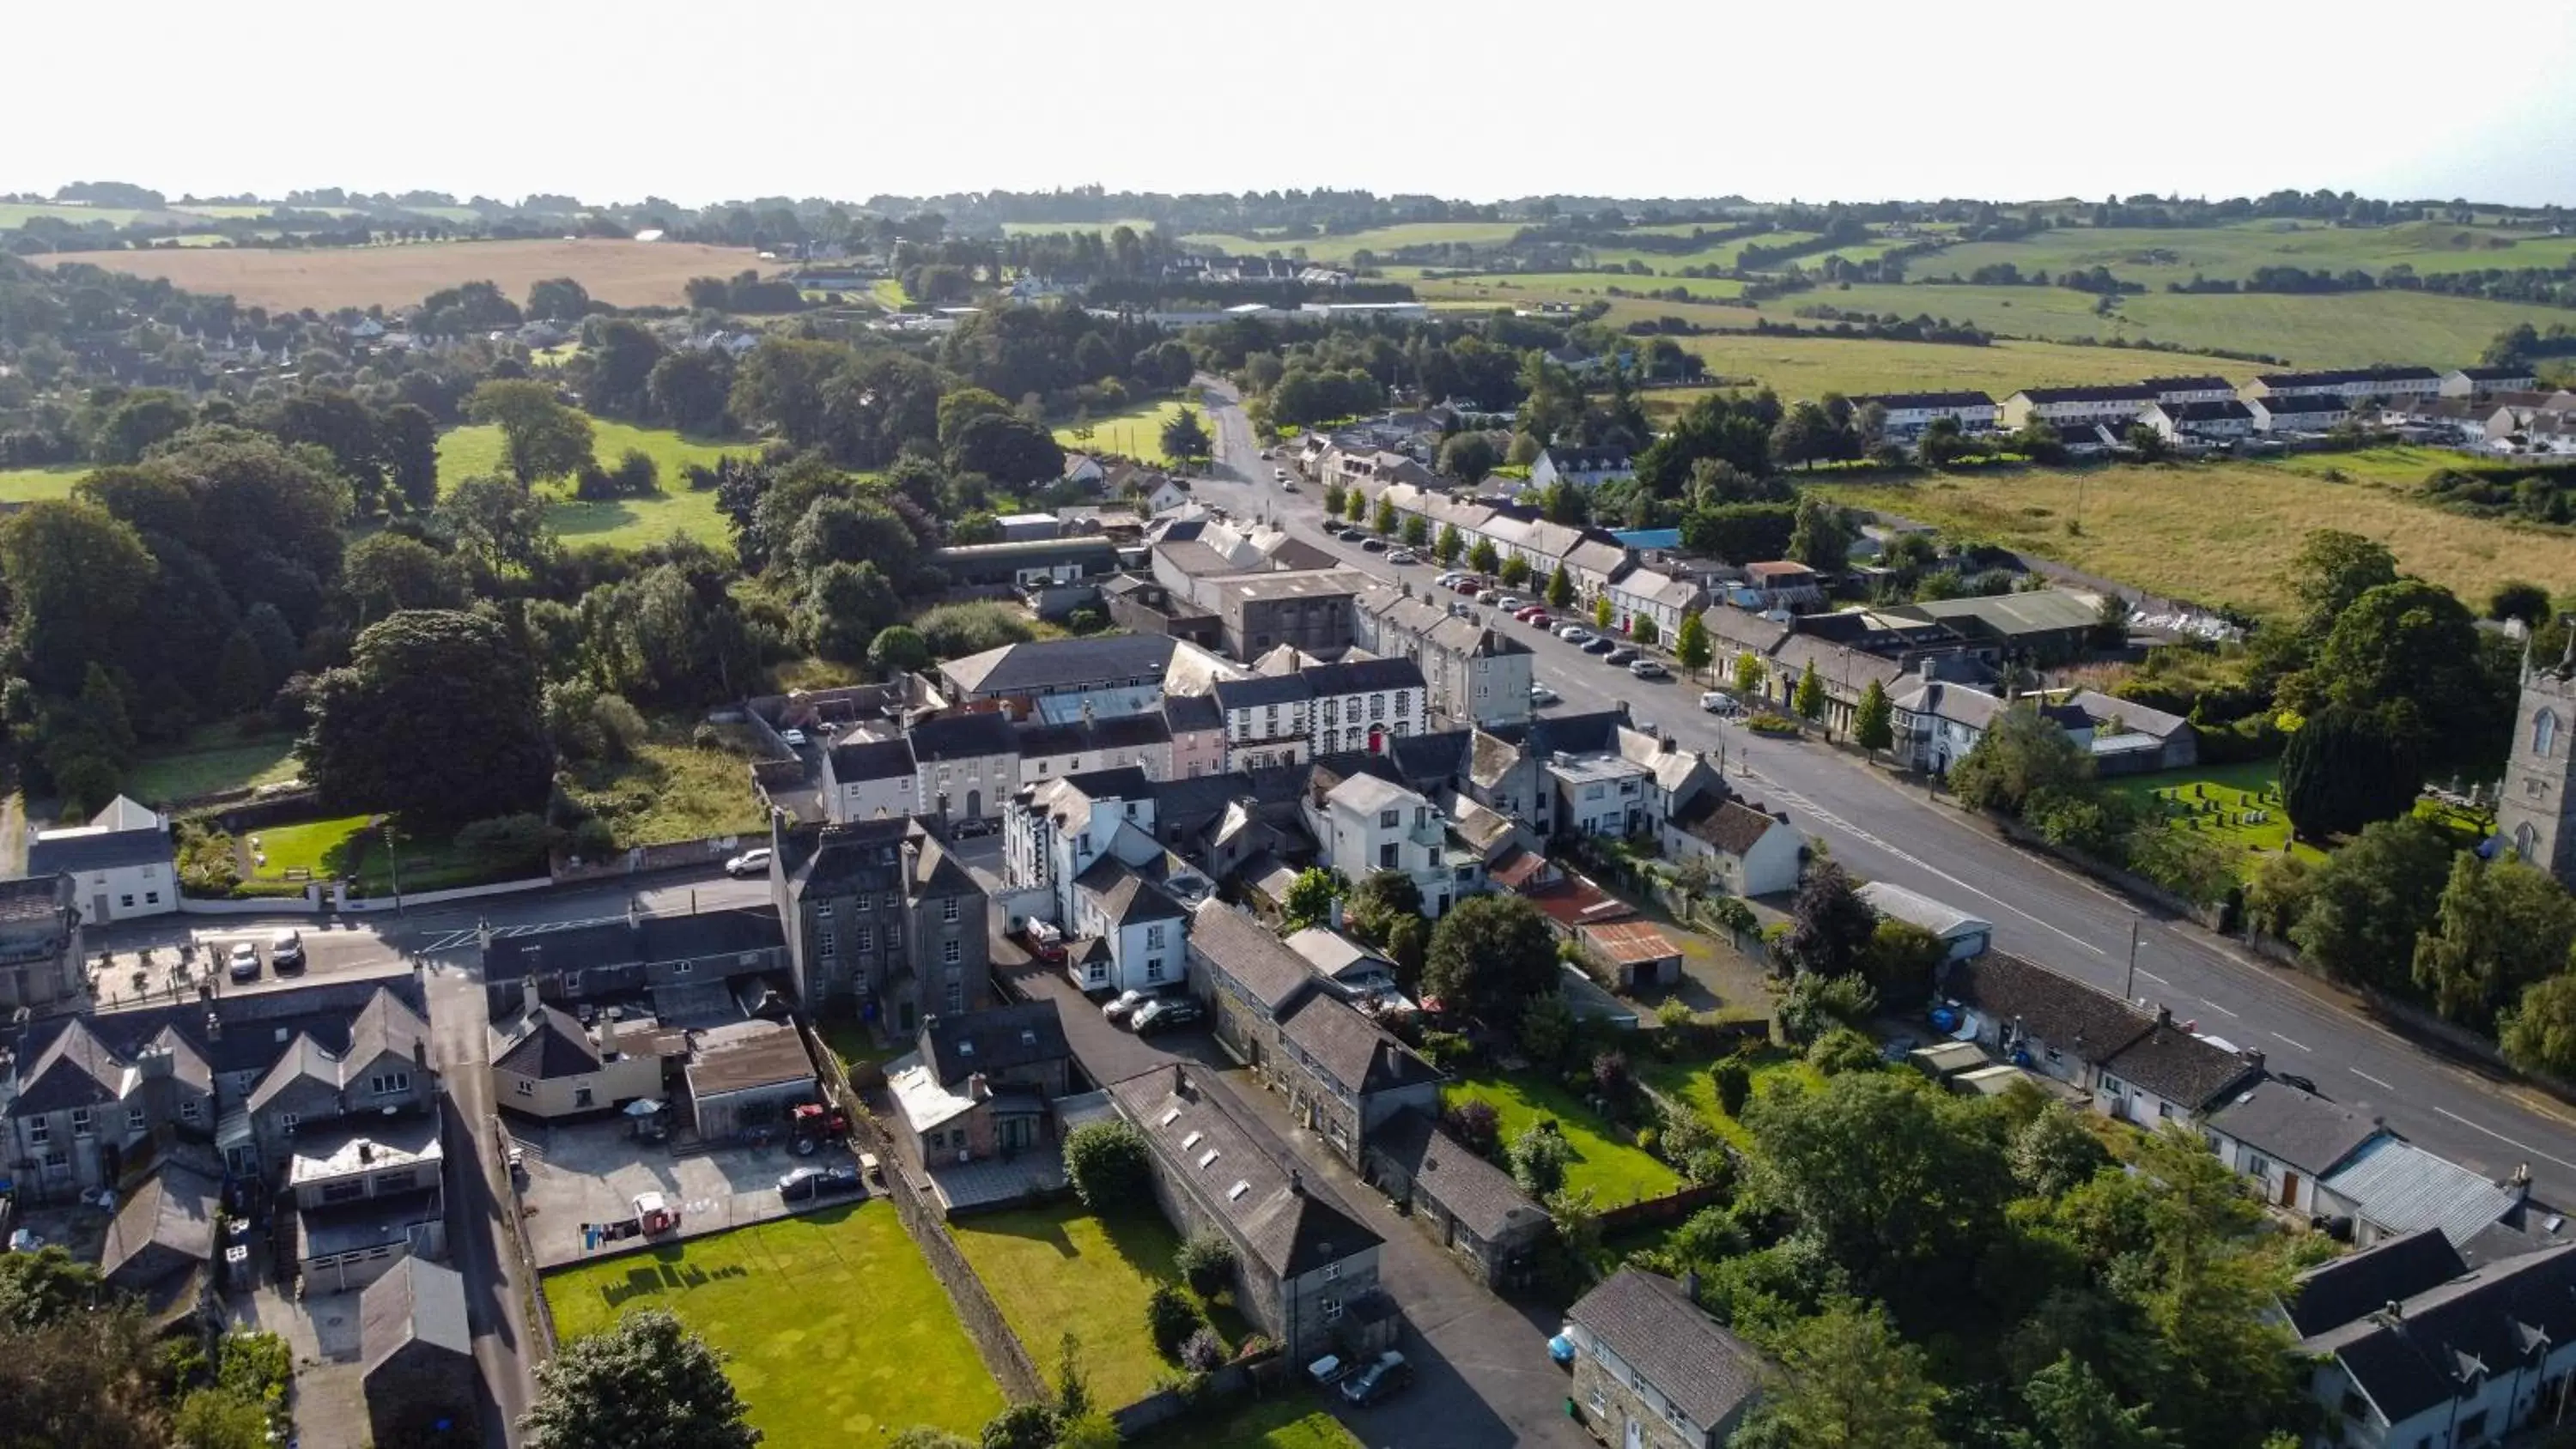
1582 467
1749 852
1468 1205
1652 1371
1167 494
2169 1074
2407 1344
2287 1141
2300 412
1909 413
1307 1271
2032 1017
1083 469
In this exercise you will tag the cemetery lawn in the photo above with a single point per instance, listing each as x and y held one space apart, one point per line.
2238 806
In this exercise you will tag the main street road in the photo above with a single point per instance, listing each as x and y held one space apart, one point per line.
1885 831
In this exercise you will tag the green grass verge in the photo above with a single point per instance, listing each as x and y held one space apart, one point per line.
1604 1160
210 761
1288 1422
1062 1267
2221 532
1136 432
626 523
834 1330
354 846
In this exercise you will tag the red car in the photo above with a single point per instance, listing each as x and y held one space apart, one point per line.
1535 618
1471 588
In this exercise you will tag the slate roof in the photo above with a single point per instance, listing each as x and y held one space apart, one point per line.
1729 826
1354 1052
2095 393
1060 663
2401 1187
1237 947
548 1044
2305 402
1901 401
2337 1291
2184 1069
2486 1322
999 1039
1125 896
1183 712
2298 1128
1285 1223
1357 676
2337 377
1707 1372
872 760
2208 411
257 1027
1369 794
416 1301
2203 383
73 851
1094 736
1482 1197
972 735
174 1208
616 943
2058 1010
75 1069
1253 693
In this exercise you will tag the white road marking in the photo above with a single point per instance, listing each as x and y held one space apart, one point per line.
2374 1081
2214 1006
1796 801
2151 976
2303 1046
2500 1137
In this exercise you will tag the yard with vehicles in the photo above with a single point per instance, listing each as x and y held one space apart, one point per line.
1062 1267
622 273
2218 532
625 523
1602 1155
833 1328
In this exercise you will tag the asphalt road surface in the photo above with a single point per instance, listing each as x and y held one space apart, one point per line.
1886 831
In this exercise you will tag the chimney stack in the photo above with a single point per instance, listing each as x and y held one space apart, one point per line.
2164 1014
528 994
2254 1058
978 1087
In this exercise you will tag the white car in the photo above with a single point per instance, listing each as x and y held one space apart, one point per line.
1449 580
1125 1004
1403 556
1575 634
243 961
1511 603
1541 694
793 739
1718 701
1278 475
749 863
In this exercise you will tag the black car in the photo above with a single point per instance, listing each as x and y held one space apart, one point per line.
812 1184
1623 656
1372 545
2304 1084
1165 1011
1598 645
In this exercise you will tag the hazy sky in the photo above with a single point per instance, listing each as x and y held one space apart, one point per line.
701 102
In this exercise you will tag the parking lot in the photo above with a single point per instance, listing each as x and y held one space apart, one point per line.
173 968
591 1172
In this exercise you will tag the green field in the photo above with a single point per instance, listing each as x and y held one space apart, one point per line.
833 1328
352 845
30 485
1506 288
210 761
1287 1422
1135 433
1689 1082
2157 255
1136 224
625 524
1616 1170
1060 1267
2220 532
15 214
1339 249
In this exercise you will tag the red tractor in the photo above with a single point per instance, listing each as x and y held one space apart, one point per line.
812 1124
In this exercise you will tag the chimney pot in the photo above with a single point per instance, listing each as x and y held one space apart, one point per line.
1297 1182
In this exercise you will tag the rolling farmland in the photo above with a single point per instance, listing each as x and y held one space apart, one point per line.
628 274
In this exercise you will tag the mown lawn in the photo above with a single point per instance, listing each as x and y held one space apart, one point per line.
210 761
834 1330
34 485
1290 1421
354 845
1689 1082
1063 1267
625 523
2219 532
1616 1169
1135 433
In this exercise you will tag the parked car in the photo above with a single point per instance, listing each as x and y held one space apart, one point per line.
1598 645
1403 556
1287 485
1380 1380
1538 619
1511 603
286 950
243 961
1648 669
1450 579
1718 701
1125 1004
1575 634
1278 475
792 739
971 828
1621 656
1540 694
808 1184
1372 545
1167 1011
1471 588
749 863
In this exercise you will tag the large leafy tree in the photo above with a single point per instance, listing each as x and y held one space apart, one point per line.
1489 956
1007 449
1185 437
2369 900
2022 756
648 1381
2332 570
1851 1383
2347 767
2412 642
2500 928
1902 1186
387 573
77 576
435 714
1829 924
540 437
1384 898
2539 1033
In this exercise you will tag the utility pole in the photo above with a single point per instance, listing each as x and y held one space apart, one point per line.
2130 990
393 866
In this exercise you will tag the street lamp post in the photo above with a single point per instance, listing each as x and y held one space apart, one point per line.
393 866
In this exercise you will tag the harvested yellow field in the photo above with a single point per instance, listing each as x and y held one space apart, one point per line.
625 273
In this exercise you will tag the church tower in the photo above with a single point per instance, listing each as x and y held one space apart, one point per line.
2536 814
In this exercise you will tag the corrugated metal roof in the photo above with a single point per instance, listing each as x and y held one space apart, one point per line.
2402 1187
